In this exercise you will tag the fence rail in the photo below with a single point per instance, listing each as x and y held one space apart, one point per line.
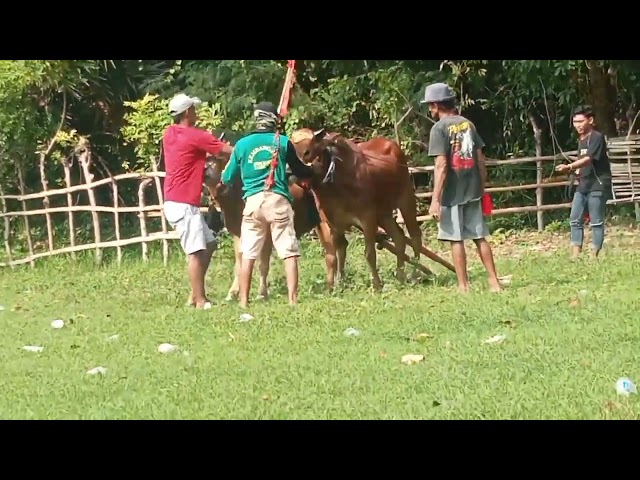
624 154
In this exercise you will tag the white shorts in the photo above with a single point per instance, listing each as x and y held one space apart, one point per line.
187 220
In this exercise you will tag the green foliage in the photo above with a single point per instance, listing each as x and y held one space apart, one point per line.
145 123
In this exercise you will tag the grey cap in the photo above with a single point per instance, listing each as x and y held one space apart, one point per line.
437 92
181 103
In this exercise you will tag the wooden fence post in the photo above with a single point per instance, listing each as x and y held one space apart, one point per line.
165 230
45 200
142 215
537 134
7 229
67 180
84 148
27 228
116 218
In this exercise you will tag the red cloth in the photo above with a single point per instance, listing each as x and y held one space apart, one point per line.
185 154
487 204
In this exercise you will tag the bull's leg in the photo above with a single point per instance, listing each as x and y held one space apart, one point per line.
370 230
265 263
408 210
235 286
340 243
397 236
330 258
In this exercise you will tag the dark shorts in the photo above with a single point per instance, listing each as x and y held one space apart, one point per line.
462 222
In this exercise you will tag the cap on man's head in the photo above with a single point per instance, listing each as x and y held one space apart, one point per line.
437 92
181 103
267 107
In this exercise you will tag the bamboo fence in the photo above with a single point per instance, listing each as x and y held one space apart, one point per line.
624 154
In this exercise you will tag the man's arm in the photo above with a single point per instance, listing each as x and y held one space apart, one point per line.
298 168
482 168
482 161
438 148
594 151
231 170
209 143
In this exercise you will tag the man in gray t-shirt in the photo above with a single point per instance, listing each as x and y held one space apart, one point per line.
460 177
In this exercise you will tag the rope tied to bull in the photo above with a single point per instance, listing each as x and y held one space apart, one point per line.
330 176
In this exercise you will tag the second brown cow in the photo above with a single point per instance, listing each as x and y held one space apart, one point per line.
360 185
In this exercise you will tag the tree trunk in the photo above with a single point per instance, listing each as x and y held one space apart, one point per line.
603 98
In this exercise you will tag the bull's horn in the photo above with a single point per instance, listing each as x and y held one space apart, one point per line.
317 133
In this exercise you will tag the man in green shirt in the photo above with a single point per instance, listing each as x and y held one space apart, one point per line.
260 159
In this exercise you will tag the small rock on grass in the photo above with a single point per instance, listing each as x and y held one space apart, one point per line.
33 348
495 339
57 324
351 332
97 371
166 348
412 359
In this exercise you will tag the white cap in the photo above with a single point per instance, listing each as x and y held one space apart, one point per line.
181 103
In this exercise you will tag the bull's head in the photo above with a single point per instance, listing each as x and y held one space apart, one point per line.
213 171
321 153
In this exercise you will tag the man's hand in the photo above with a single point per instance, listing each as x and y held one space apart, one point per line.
563 168
306 183
434 210
222 189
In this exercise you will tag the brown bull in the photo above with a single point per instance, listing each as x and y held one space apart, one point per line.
361 185
231 204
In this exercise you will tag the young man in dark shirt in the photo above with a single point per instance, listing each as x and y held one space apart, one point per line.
594 187
459 180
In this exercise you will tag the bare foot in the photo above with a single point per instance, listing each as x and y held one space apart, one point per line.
190 301
494 285
206 305
463 289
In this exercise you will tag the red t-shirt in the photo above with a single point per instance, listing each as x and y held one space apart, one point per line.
185 153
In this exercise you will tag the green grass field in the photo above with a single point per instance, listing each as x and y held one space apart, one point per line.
571 330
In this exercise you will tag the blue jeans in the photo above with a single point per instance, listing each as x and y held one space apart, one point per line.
595 203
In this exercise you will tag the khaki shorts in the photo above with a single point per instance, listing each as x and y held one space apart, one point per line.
187 220
267 213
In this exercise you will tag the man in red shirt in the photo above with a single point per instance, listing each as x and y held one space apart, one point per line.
185 152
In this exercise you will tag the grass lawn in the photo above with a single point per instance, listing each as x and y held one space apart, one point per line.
571 330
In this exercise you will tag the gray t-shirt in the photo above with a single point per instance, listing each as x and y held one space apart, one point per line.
456 137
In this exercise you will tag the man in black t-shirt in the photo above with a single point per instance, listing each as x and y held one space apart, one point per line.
594 187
